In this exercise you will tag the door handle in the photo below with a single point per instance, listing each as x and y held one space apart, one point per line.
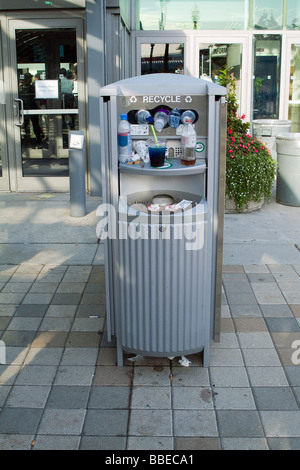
21 112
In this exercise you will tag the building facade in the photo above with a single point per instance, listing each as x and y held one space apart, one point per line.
56 54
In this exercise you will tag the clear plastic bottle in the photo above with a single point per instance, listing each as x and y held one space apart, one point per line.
188 115
174 118
143 117
188 143
161 119
124 140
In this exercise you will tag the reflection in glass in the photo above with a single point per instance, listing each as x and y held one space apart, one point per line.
294 89
267 14
215 57
293 14
47 84
191 14
162 58
266 86
39 157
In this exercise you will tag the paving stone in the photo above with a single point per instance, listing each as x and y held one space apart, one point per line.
293 375
61 311
103 443
195 423
261 357
149 443
65 396
17 287
43 356
154 376
267 376
50 339
74 375
65 299
83 339
107 397
4 391
239 423
79 356
24 323
143 397
31 310
43 287
62 422
282 443
150 423
197 443
18 338
28 396
249 443
16 441
200 398
282 310
275 398
229 376
56 442
281 423
56 324
106 422
233 398
255 340
113 375
282 324
36 375
19 420
242 310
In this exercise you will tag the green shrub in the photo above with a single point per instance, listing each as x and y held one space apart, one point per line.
250 169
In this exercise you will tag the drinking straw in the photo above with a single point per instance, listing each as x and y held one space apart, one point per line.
154 135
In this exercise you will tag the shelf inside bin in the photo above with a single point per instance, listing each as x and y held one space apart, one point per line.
173 166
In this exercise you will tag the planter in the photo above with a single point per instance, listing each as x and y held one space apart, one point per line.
230 206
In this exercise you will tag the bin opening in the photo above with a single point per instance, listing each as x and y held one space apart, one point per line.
150 200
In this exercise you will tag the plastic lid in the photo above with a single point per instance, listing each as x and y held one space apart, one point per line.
289 136
123 117
159 125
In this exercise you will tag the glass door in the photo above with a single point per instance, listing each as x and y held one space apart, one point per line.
162 54
294 87
215 54
47 79
4 180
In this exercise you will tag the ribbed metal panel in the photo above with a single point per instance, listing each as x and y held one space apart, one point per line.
162 299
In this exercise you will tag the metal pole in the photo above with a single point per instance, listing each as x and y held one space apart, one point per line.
77 174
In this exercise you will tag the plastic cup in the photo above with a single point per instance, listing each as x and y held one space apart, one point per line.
157 151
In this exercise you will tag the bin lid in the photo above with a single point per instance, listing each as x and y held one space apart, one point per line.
164 83
288 136
272 122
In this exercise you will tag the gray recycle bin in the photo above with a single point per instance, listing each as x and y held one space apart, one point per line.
163 256
288 170
266 131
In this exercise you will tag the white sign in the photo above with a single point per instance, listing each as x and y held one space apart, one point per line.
2 353
76 141
162 99
46 89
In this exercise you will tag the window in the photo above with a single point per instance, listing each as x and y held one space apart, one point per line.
162 58
191 14
267 14
293 14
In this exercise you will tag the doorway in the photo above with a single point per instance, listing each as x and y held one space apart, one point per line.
47 101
